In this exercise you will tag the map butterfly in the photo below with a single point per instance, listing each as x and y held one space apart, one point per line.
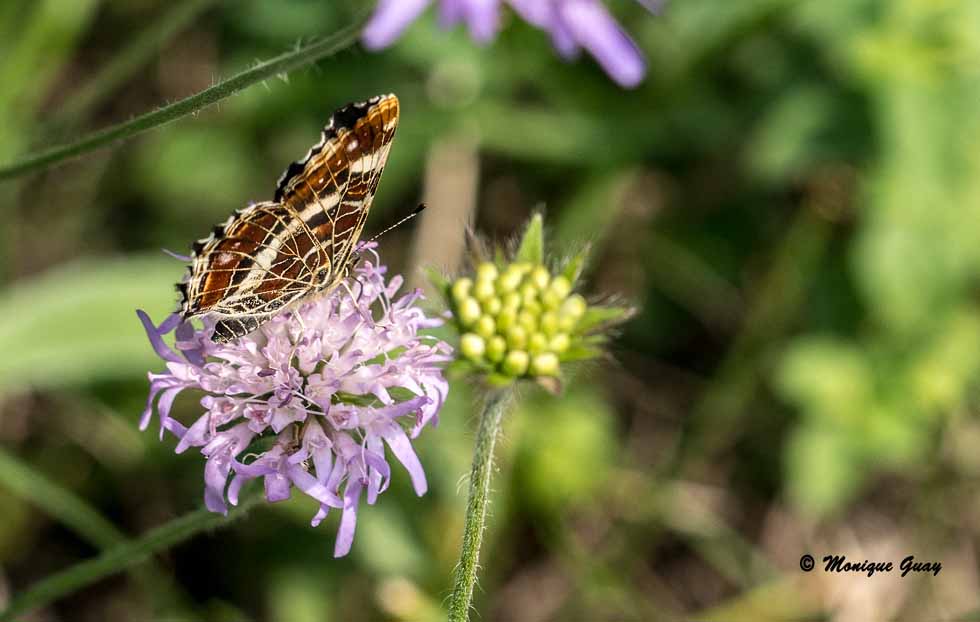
272 254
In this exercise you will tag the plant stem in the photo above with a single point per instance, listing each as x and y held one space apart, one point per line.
497 403
120 557
279 65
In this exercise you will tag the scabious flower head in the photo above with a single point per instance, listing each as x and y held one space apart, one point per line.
519 320
572 24
310 399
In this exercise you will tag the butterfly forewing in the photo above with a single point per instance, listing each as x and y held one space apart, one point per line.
272 254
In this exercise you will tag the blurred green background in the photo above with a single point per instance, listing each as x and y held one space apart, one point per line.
791 198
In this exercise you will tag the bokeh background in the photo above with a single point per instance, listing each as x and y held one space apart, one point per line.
791 199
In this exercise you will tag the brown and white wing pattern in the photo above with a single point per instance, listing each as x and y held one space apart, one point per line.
272 254
340 174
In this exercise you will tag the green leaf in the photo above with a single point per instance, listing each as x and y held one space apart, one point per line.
573 268
438 280
580 352
77 323
596 316
531 248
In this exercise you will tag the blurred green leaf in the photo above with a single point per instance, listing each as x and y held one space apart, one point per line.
77 323
565 449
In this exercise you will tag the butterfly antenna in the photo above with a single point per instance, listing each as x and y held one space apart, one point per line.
414 213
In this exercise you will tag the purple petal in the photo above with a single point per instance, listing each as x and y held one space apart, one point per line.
320 515
277 487
156 333
197 435
536 12
216 472
309 485
185 334
390 19
483 19
596 30
348 522
402 448
164 405
563 41
450 12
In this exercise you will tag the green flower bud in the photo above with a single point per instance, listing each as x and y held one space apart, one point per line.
485 327
544 364
528 320
512 300
537 343
515 363
472 346
509 280
496 349
461 290
549 323
517 338
533 307
486 271
492 305
550 299
566 323
529 293
523 320
469 311
560 287
506 318
540 277
574 306
559 343
522 267
484 289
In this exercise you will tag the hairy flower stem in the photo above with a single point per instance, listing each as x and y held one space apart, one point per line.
278 66
119 558
497 403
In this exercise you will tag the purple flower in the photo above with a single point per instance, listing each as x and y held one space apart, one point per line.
572 24
326 387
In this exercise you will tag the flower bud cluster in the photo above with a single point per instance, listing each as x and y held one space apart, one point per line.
517 320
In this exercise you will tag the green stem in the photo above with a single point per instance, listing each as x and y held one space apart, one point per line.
120 557
497 403
277 66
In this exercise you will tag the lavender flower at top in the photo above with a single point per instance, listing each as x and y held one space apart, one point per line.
329 386
572 24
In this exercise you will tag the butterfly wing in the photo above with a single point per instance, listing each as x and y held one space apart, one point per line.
272 254
332 188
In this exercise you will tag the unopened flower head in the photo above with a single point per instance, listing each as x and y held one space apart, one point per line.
572 25
519 319
310 399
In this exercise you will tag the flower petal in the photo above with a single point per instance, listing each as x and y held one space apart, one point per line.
402 448
595 29
348 522
390 19
156 333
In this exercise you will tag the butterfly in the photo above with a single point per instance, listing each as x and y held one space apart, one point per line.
275 253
